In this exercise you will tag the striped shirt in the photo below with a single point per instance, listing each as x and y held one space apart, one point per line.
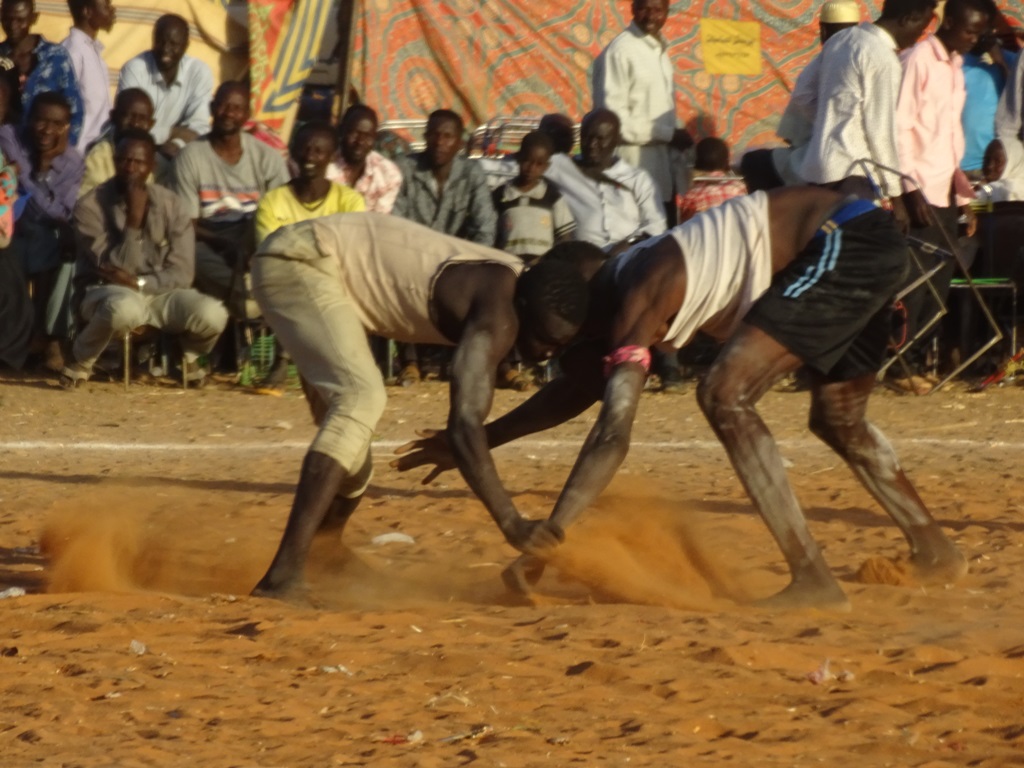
214 189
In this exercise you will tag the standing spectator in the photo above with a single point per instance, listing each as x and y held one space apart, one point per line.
358 165
221 177
132 109
49 172
931 144
90 17
771 168
41 65
717 185
986 68
854 106
613 203
532 216
136 258
447 193
309 195
633 78
179 85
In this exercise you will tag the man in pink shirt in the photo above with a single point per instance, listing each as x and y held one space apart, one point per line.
86 53
930 144
359 166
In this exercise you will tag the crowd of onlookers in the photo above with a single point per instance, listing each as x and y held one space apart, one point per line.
146 210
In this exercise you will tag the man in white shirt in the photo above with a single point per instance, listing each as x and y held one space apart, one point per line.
90 17
854 115
633 78
613 202
180 86
771 168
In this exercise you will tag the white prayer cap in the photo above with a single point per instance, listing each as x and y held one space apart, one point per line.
840 12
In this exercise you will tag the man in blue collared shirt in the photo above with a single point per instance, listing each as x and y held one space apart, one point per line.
180 86
49 172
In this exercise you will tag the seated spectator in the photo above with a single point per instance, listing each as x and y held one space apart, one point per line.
358 165
443 191
10 98
15 303
49 172
136 256
447 193
1003 170
562 132
309 195
221 177
91 72
41 65
612 202
532 216
132 109
717 183
179 85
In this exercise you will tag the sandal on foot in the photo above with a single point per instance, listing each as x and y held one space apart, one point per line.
410 375
71 374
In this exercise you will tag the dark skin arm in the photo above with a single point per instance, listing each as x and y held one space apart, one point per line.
487 334
578 387
657 291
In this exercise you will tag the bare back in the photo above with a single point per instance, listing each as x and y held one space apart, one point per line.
795 214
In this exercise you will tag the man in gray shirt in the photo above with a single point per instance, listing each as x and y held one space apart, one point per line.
136 260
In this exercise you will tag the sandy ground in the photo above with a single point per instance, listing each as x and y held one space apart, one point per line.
137 644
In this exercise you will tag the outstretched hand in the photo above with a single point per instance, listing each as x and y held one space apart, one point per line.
431 448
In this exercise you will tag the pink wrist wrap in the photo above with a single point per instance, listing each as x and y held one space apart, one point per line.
630 354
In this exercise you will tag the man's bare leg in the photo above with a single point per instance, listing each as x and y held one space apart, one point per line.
321 479
838 418
750 363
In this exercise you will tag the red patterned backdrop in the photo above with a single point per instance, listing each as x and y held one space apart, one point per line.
527 57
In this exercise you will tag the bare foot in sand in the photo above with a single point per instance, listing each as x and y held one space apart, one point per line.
939 567
825 594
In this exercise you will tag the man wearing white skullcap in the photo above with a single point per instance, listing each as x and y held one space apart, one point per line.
837 15
770 168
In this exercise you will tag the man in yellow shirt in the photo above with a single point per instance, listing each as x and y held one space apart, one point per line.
309 195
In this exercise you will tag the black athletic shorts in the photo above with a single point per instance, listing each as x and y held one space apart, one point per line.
832 306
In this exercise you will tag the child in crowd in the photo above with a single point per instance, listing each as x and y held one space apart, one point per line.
1003 169
714 183
532 216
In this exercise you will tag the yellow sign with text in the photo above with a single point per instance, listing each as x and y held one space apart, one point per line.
731 47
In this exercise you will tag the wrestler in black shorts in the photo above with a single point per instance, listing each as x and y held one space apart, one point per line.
832 306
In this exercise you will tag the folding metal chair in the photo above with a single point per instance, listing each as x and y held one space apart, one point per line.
951 252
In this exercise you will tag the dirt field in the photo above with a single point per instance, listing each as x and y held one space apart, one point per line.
137 644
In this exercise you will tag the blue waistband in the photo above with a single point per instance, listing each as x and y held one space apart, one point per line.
848 212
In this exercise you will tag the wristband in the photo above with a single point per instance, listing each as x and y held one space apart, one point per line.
178 142
629 354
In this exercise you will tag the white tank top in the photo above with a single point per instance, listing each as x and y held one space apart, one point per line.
728 255
387 264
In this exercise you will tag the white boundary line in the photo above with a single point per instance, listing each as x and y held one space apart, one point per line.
270 446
